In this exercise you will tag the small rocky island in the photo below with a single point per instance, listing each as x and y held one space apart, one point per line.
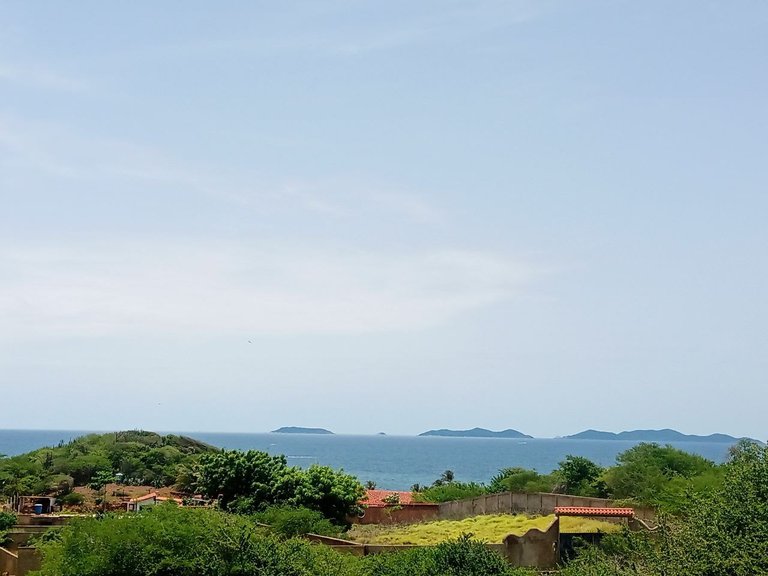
300 430
476 433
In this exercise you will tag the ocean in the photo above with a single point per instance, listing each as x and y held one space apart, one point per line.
396 462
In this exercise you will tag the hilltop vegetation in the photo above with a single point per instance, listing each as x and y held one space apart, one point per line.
141 457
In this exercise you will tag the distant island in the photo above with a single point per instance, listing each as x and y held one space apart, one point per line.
666 435
476 433
300 430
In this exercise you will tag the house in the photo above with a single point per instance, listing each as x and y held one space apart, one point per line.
151 499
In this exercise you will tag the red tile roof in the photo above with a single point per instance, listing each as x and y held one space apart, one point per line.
605 512
375 498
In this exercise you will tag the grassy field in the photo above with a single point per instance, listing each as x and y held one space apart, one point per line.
489 528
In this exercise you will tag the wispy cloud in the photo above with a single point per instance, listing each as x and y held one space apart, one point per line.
30 75
414 24
228 288
99 162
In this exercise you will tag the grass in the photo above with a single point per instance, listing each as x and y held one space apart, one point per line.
489 528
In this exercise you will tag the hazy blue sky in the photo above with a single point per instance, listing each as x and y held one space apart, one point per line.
384 216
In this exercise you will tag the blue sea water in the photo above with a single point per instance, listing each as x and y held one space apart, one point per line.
396 462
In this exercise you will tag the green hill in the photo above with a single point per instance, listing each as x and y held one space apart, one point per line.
141 457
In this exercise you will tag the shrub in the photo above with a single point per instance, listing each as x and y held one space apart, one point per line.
169 540
72 499
460 557
449 491
288 521
7 520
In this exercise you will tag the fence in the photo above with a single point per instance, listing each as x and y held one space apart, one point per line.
535 503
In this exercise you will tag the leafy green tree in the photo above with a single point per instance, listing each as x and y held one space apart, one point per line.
332 492
520 480
643 472
232 474
251 481
581 476
101 479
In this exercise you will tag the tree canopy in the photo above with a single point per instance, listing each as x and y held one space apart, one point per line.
253 480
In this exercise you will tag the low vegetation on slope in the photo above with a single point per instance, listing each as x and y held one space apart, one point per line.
488 528
141 457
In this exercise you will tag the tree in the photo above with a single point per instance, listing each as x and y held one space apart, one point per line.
232 474
644 471
333 492
101 479
580 476
251 481
520 480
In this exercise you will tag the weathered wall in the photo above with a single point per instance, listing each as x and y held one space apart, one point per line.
8 561
535 548
403 515
20 535
29 560
37 520
535 503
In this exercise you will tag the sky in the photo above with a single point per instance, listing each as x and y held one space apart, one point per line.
384 216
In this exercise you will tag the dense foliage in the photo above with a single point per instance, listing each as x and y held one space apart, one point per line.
7 520
724 532
142 458
647 474
289 521
252 481
172 541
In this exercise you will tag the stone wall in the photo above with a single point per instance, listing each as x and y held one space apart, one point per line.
534 503
29 560
404 514
535 548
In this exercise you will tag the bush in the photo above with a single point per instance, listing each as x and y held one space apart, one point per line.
289 522
520 480
169 540
461 557
72 499
7 520
450 491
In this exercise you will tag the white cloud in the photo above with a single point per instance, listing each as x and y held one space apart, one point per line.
96 163
233 288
